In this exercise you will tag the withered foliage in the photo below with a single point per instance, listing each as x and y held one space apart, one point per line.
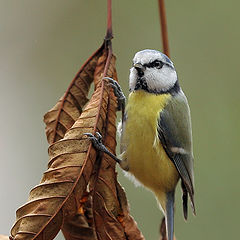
110 207
80 225
69 107
79 192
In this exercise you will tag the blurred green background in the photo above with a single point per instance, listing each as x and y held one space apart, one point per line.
43 44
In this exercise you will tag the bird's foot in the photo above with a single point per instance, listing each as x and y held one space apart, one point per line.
117 92
99 146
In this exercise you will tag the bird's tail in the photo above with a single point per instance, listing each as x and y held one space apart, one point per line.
167 203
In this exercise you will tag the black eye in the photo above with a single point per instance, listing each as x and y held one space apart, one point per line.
157 64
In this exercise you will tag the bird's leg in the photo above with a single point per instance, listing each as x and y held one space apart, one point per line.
121 99
98 145
97 140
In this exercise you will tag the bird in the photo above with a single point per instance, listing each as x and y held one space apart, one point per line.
155 133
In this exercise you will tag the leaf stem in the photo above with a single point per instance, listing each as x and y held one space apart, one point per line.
163 23
108 37
109 34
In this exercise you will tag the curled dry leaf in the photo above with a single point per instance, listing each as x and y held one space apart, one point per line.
69 107
130 226
110 207
70 166
105 200
80 226
58 120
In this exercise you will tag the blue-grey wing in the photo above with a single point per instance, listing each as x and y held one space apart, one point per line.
175 134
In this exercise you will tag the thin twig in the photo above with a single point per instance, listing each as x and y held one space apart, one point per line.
109 34
108 37
108 46
163 23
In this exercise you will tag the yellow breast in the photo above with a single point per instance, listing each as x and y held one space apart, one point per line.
145 155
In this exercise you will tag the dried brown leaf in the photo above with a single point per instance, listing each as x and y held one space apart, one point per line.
80 226
110 206
80 222
70 166
130 226
69 107
105 201
72 227
58 120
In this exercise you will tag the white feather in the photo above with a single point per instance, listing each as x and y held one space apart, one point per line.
132 79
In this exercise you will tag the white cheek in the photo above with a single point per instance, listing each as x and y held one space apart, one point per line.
163 79
132 78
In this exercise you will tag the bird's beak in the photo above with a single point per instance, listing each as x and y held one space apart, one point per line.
139 66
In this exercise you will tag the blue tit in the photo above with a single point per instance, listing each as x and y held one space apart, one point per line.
156 134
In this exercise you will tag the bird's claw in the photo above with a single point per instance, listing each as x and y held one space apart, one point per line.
117 92
96 141
98 145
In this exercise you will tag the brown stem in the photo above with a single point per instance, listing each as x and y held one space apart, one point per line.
109 34
163 23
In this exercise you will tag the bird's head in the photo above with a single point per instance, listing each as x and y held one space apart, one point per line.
153 72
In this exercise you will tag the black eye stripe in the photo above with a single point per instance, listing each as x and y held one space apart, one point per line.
155 64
